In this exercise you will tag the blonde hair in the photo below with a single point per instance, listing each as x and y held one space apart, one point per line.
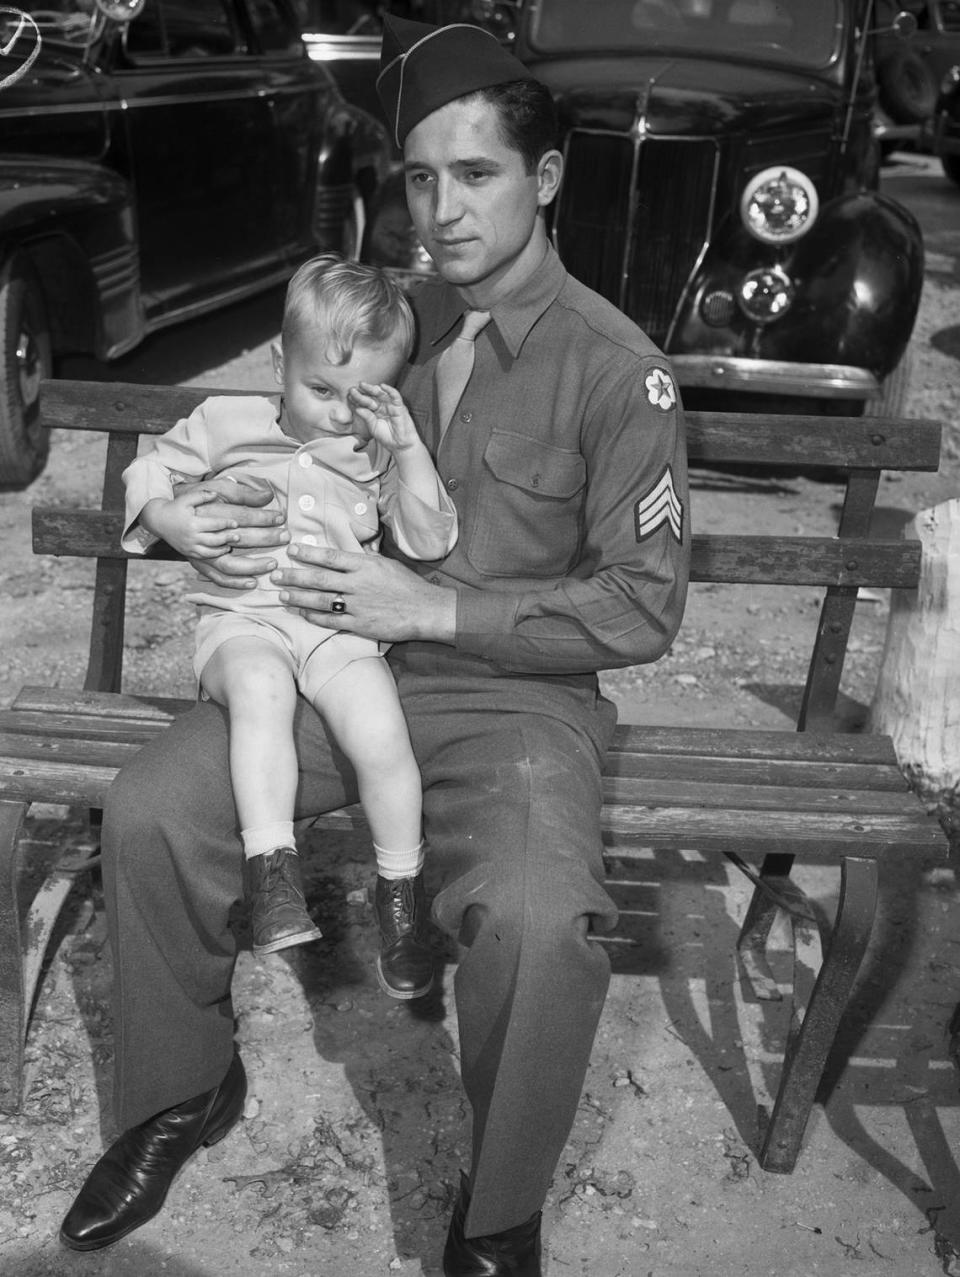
351 303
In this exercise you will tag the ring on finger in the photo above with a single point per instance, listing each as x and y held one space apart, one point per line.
339 603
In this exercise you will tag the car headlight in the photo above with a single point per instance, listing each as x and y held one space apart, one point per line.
779 205
766 294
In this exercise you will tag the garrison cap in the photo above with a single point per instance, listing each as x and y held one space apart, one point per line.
423 67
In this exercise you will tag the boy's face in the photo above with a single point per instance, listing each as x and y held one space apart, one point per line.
316 393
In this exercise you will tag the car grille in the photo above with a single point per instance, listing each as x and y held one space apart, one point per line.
331 209
950 16
633 219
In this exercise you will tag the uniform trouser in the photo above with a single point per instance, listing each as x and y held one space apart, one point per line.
511 775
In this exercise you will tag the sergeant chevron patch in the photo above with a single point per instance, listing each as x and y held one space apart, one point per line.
660 507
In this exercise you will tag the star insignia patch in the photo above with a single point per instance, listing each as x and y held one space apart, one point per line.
661 391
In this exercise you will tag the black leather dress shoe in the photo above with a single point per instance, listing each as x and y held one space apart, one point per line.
512 1253
405 963
278 915
129 1184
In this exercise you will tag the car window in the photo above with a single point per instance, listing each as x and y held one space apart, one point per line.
183 29
791 31
144 36
365 17
271 29
340 17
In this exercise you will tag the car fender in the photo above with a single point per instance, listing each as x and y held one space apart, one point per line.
352 164
354 150
857 277
75 221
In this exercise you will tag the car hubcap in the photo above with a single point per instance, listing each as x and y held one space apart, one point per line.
29 368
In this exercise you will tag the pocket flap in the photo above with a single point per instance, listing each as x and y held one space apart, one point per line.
537 467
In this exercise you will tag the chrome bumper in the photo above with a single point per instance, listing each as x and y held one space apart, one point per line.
774 377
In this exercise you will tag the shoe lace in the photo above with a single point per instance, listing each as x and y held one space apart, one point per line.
402 899
279 880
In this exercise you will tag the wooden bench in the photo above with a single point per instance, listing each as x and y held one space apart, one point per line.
762 797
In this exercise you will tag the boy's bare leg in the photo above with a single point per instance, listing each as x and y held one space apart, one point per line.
253 679
361 707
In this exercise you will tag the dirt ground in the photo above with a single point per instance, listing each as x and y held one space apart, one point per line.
355 1128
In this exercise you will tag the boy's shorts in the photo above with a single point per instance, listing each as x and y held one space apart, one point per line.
313 653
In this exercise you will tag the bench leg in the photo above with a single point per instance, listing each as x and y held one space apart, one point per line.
12 1004
23 948
761 911
763 907
806 1054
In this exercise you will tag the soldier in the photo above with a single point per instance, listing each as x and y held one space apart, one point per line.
555 426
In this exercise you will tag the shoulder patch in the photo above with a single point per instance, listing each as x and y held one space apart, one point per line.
661 391
660 507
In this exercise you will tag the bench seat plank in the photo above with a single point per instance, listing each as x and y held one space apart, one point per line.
762 770
693 793
810 835
767 770
53 781
76 727
105 705
743 742
19 750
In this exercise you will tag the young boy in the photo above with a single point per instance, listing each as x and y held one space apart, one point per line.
342 458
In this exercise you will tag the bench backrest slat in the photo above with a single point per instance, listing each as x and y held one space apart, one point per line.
869 443
731 558
713 438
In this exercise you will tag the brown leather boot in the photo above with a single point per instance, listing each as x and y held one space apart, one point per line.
405 963
278 913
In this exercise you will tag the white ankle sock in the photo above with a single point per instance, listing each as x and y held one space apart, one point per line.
399 864
266 838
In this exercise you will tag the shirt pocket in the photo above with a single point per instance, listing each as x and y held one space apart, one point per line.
529 508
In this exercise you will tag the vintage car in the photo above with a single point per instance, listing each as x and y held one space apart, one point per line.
947 136
157 160
917 42
344 35
721 188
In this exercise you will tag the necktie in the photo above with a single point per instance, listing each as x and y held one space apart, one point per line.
456 364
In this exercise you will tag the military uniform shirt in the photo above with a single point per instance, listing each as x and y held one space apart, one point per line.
566 462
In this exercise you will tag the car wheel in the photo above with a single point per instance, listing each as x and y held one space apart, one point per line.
26 353
906 87
951 167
